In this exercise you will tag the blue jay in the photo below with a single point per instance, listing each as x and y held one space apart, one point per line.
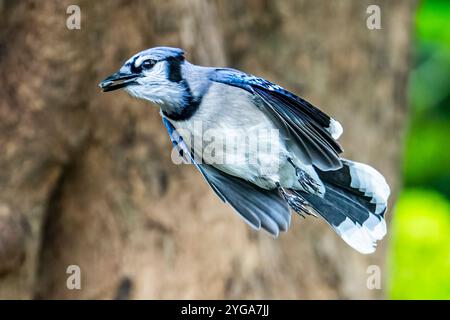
310 177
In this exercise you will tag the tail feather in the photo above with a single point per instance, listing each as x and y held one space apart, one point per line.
354 204
360 180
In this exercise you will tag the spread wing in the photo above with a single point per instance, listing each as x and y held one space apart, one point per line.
258 207
314 132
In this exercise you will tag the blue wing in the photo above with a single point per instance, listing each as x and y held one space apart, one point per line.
258 207
313 130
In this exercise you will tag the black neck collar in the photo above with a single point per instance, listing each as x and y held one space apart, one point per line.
190 107
186 112
192 103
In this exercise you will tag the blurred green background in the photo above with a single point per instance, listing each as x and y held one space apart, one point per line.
419 258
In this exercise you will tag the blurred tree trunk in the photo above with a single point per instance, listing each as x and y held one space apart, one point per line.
86 178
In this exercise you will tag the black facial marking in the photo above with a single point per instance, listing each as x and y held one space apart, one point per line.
133 67
174 71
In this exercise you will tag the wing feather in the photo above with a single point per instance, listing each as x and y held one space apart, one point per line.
313 131
258 207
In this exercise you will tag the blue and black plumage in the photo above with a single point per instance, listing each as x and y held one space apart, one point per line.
301 169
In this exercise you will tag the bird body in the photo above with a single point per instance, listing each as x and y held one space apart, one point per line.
240 118
261 148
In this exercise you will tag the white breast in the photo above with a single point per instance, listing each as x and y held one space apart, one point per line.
234 135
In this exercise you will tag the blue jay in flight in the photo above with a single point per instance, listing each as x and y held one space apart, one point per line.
311 177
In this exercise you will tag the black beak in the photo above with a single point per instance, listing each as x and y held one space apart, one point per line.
118 80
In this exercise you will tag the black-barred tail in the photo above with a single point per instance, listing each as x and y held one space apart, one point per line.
354 204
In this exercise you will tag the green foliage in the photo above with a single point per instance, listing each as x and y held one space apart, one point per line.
420 254
427 160
419 259
433 22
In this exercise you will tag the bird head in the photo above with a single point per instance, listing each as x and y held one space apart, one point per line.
154 75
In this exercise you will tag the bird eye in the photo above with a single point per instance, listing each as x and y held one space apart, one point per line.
148 64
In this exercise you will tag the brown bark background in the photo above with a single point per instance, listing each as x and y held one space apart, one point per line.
86 178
